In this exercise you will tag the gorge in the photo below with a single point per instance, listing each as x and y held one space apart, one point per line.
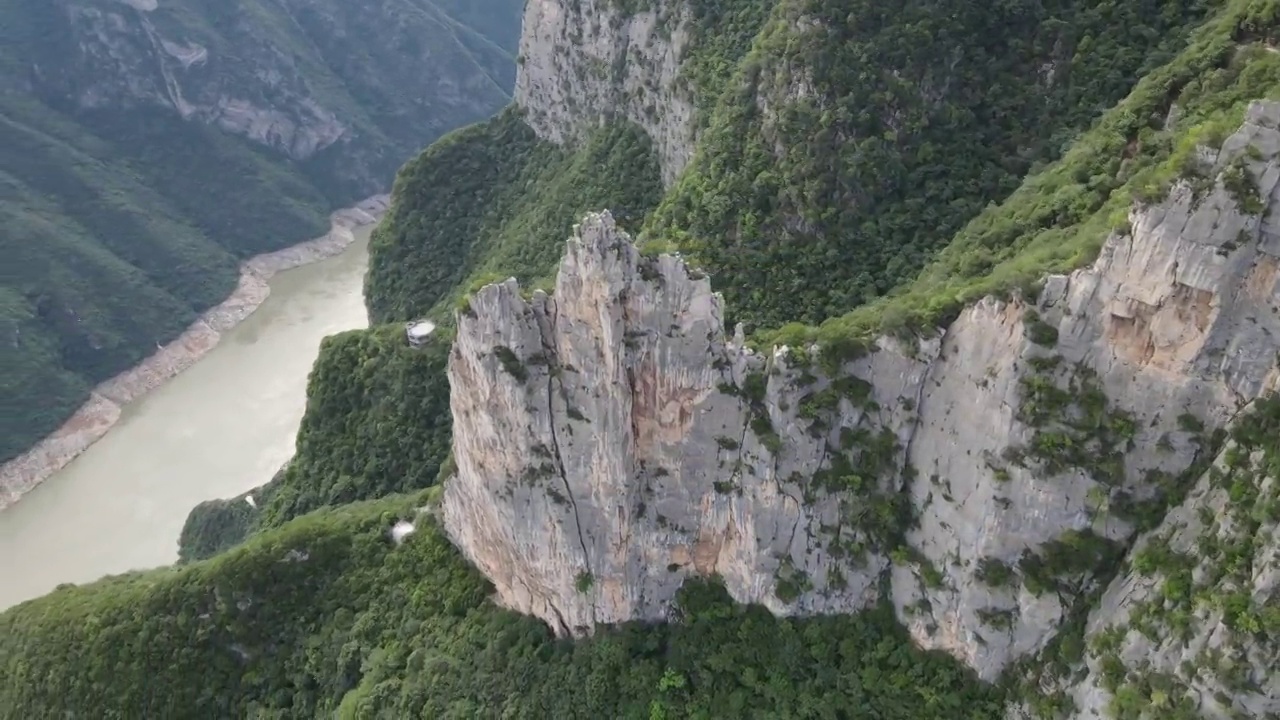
149 149
99 415
806 358
215 429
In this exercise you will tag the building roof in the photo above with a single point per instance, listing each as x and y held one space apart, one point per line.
420 330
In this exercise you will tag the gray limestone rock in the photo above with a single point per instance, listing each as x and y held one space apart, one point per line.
1177 318
612 440
587 61
1195 613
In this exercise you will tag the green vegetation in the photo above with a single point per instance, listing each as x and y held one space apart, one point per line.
492 201
994 572
102 266
790 581
217 525
844 143
819 190
377 423
1198 576
1075 426
722 34
327 617
1057 220
1067 564
863 472
123 222
511 363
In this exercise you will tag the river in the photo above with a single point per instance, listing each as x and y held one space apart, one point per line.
220 428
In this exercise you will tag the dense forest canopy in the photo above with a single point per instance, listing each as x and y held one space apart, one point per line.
377 424
492 201
329 615
817 191
939 152
1057 220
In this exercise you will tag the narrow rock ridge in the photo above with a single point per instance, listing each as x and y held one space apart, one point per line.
624 382
611 440
583 62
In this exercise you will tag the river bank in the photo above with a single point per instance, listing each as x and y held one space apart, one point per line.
103 410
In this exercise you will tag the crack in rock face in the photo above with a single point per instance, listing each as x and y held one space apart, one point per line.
612 439
605 450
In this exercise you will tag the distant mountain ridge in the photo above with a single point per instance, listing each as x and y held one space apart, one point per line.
924 366
146 148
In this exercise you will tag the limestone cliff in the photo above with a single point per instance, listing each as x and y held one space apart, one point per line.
611 439
1191 624
296 77
1195 619
1173 328
585 61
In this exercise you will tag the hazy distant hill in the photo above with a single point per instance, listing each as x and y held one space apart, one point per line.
145 148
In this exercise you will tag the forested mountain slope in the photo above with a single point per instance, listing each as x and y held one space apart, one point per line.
860 136
1037 438
839 144
146 148
331 617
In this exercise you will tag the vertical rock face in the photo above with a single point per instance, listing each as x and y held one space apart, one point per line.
1196 616
611 440
1175 326
584 61
1021 487
1192 618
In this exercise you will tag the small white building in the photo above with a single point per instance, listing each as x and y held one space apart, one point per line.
401 530
418 332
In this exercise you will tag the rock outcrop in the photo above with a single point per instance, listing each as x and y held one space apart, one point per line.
605 447
1172 329
270 71
1194 622
611 439
586 61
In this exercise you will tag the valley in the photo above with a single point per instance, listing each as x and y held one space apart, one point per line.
216 429
790 359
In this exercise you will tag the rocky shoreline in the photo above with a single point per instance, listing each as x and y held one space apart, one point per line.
102 410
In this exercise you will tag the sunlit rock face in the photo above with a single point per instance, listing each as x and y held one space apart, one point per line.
612 438
587 60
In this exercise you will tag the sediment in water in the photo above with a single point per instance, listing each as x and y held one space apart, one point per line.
103 408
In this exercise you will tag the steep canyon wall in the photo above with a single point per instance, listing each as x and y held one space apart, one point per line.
612 437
